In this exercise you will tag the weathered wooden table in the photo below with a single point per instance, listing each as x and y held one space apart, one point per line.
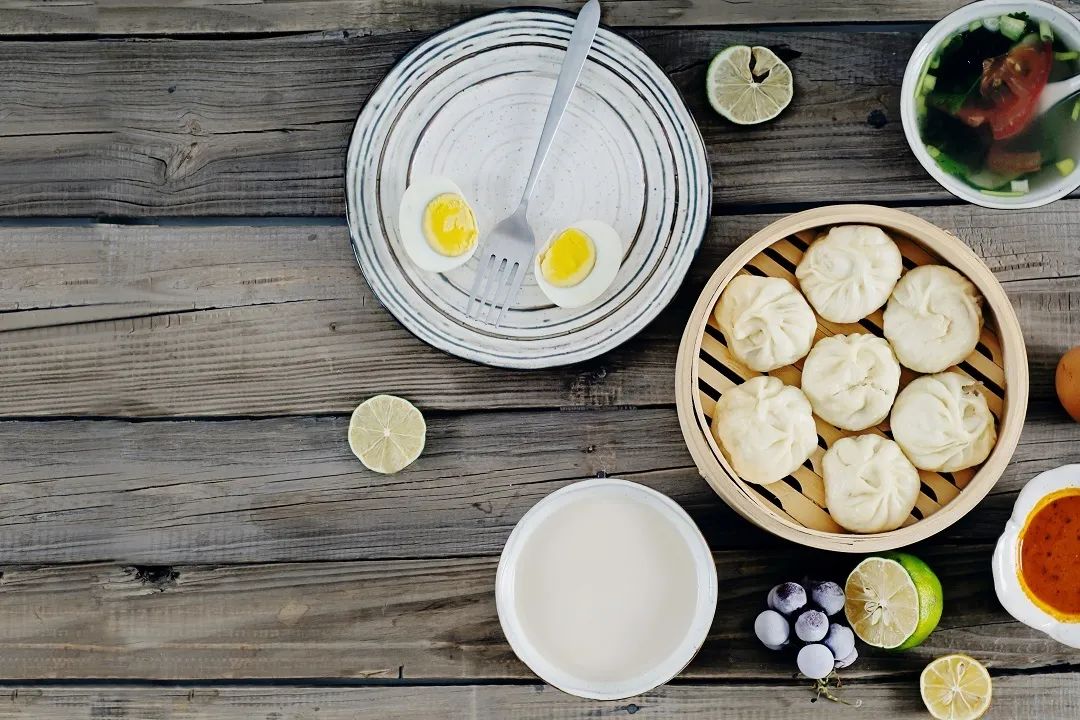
184 331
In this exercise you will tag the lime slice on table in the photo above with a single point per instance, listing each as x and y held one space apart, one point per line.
748 85
956 687
387 433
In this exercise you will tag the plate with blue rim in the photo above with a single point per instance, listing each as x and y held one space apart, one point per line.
469 104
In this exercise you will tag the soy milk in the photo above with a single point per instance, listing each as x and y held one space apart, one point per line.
607 587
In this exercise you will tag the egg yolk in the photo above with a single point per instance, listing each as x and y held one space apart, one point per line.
449 225
568 259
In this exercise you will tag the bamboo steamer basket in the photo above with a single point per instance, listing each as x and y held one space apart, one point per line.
794 508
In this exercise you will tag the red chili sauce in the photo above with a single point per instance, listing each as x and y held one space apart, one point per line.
1050 554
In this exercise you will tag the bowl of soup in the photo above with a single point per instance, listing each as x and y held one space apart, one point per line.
1037 559
970 97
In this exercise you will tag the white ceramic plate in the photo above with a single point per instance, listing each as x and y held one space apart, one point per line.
469 104
693 545
1007 557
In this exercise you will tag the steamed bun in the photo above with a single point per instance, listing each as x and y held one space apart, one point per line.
933 319
765 429
869 485
766 322
942 423
850 272
851 380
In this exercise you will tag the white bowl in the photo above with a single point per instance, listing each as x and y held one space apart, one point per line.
1063 24
693 544
1007 557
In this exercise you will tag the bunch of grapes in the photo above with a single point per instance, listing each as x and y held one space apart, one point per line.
809 616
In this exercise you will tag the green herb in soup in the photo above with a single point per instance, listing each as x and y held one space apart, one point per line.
978 101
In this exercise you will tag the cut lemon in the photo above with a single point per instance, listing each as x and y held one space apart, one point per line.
881 602
956 687
387 433
748 85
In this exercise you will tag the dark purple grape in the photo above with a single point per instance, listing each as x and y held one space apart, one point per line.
815 661
827 595
811 626
850 658
772 629
787 598
840 640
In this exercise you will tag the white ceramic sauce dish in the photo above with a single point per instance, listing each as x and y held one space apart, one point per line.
1045 188
606 589
1006 561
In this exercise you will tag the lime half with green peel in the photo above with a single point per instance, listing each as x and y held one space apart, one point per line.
881 603
748 85
931 601
387 433
893 602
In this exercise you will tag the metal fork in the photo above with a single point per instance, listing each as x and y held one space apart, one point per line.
509 248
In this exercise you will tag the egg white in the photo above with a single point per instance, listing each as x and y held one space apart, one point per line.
411 224
609 252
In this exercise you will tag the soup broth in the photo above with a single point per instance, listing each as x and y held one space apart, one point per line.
1050 554
978 100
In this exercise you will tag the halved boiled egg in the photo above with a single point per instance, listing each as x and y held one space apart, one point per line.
437 225
577 264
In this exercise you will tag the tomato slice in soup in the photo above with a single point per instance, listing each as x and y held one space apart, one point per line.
1009 88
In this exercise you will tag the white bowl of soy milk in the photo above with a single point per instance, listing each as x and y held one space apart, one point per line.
606 589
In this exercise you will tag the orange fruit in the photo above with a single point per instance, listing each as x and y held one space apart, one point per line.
1067 382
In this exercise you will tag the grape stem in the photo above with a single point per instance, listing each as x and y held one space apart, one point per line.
822 689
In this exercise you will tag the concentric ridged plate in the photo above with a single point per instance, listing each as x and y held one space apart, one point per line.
469 104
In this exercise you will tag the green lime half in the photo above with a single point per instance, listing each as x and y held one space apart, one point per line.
748 85
931 601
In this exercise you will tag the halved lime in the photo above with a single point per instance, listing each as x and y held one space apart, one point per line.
931 599
387 433
881 602
748 85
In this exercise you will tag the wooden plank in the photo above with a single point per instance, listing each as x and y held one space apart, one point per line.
179 17
259 126
268 320
289 489
418 620
1050 696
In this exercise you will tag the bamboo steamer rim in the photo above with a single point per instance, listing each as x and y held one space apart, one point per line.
714 467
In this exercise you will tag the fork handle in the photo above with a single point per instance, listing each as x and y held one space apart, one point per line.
577 51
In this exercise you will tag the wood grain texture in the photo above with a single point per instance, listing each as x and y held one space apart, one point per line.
290 489
418 620
259 126
1051 696
150 321
180 17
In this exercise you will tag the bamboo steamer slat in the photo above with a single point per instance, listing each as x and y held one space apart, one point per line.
794 508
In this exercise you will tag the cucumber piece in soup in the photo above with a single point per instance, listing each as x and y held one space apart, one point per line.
986 180
1046 34
1012 28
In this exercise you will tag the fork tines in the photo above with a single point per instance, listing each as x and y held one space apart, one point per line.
496 275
